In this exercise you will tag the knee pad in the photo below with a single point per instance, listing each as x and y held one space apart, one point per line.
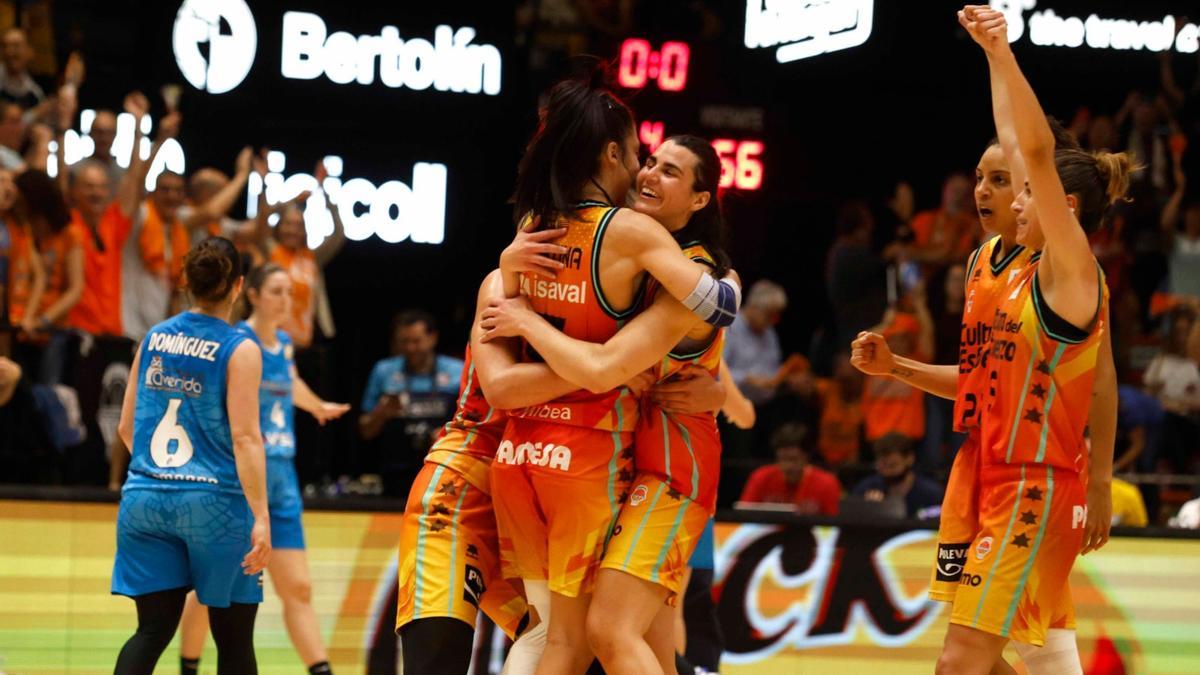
1060 655
527 651
538 595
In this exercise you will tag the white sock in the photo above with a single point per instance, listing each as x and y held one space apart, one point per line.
1060 655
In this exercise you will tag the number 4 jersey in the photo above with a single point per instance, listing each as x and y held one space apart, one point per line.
276 413
181 437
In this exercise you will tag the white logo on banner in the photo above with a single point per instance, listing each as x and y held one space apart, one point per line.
227 27
806 28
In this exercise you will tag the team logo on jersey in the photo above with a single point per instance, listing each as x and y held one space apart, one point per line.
983 548
1078 516
537 454
638 495
158 379
950 561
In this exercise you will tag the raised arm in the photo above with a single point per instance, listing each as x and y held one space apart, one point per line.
1068 269
244 378
597 367
132 187
333 243
219 204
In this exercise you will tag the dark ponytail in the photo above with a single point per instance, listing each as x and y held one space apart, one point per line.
211 269
580 118
706 226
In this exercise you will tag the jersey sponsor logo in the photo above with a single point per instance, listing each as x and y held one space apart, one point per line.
972 580
1078 516
575 294
279 439
1003 347
473 586
158 379
181 344
973 346
537 454
950 561
548 412
638 495
184 478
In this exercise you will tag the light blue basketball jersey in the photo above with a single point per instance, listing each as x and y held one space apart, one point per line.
276 413
181 437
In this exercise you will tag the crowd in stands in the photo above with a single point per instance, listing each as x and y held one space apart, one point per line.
90 259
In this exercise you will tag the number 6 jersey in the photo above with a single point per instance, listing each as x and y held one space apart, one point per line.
181 437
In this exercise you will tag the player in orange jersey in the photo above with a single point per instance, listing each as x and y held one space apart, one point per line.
576 450
1041 500
989 272
677 456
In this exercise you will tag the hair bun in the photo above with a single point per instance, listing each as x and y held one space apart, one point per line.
1114 169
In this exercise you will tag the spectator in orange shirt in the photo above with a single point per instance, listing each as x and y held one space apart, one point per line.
102 221
42 212
888 403
792 479
289 249
840 437
950 232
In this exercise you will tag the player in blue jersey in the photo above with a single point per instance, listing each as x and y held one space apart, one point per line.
269 296
194 508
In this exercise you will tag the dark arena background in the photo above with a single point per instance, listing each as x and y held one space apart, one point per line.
838 104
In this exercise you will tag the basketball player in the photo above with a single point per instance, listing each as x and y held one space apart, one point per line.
194 508
269 296
630 627
583 154
1048 334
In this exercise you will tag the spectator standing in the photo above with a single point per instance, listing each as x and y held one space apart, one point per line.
1175 379
839 439
409 396
12 136
158 241
889 404
754 358
941 441
896 481
792 479
42 224
16 84
947 234
854 273
1183 247
103 132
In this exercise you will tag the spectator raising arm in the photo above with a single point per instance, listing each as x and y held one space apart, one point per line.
333 243
219 204
132 188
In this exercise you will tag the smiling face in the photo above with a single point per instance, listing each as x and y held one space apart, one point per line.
665 186
994 193
1029 229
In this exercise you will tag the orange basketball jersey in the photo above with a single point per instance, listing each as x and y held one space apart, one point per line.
1042 369
467 443
683 450
989 272
574 303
